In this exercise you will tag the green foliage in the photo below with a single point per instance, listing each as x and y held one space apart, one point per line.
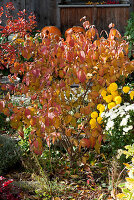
130 34
52 188
128 187
9 153
24 141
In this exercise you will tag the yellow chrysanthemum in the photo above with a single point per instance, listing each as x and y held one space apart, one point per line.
103 93
94 114
108 98
93 123
98 106
126 89
101 107
113 87
99 120
132 95
118 99
114 94
111 105
109 91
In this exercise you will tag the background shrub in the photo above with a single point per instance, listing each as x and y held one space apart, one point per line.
130 35
9 153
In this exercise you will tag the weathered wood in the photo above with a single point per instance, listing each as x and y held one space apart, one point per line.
101 17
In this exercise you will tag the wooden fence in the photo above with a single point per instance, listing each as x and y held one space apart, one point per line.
48 12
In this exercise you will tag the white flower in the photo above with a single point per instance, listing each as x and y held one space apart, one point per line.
113 116
131 173
102 114
126 103
110 124
122 113
126 129
124 122
128 116
121 109
130 107
130 127
7 119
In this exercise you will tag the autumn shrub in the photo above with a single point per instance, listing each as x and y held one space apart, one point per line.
51 68
129 34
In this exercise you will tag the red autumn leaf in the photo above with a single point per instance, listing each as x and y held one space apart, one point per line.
81 76
71 42
21 132
82 56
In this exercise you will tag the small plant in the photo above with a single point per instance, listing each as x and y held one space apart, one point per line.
128 186
7 190
9 153
130 35
24 140
52 188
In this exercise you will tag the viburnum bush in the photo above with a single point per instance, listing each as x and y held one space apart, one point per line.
51 68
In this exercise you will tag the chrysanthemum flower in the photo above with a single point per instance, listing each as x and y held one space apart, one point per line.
94 114
118 99
93 123
114 94
113 87
101 107
126 89
111 105
108 98
99 120
103 93
131 95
